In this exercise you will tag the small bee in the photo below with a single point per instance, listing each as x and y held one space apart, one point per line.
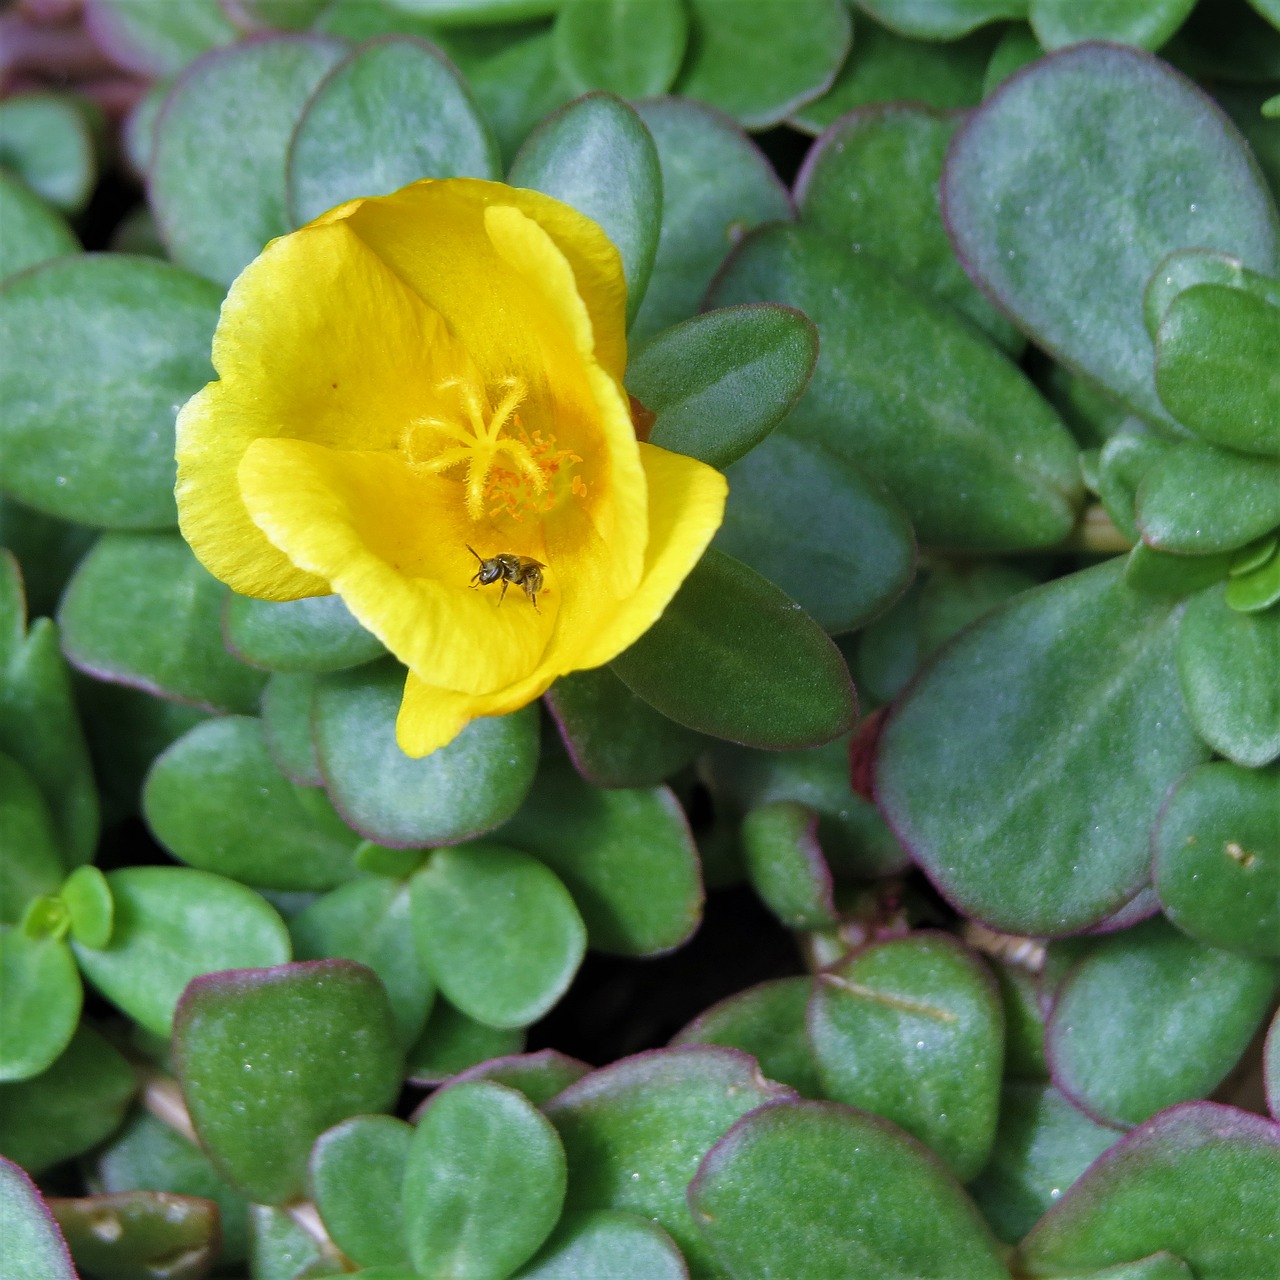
510 570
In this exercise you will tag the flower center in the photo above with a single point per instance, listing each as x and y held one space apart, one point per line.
509 470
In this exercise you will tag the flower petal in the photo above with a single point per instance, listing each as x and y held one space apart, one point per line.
392 541
431 717
439 265
529 250
317 340
686 507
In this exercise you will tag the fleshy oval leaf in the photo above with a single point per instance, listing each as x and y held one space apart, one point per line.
1021 813
1047 182
269 1059
391 112
858 1197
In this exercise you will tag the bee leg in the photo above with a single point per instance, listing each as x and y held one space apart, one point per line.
503 594
532 592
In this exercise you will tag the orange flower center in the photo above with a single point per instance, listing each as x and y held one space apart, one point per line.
516 493
508 469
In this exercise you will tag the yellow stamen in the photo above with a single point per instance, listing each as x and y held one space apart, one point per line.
480 442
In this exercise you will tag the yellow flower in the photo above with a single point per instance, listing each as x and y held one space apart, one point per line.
414 376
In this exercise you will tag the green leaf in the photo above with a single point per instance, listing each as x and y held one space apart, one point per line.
1042 1146
158 39
127 729
635 1132
1016 48
1271 1066
912 1030
179 653
1216 366
716 186
1155 1266
281 1248
456 793
33 232
142 1233
1257 589
391 112
312 635
734 657
1162 573
785 864
626 857
758 62
69 1108
1071 183
852 555
369 921
95 354
1145 23
1026 767
42 998
39 728
452 1042
978 459
886 67
622 1246
147 1153
614 738
216 801
1185 268
768 1022
818 1190
87 896
629 47
32 862
355 1174
1217 857
269 1059
941 19
1151 1018
34 1248
46 141
1197 1181
514 76
1023 1020
1123 463
171 925
218 172
1229 665
286 724
872 184
596 155
484 1182
498 932
854 838
46 548
1198 499
539 1076
720 382
480 13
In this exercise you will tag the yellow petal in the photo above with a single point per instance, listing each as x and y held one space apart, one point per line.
431 717
392 541
686 507
438 264
317 340
617 475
